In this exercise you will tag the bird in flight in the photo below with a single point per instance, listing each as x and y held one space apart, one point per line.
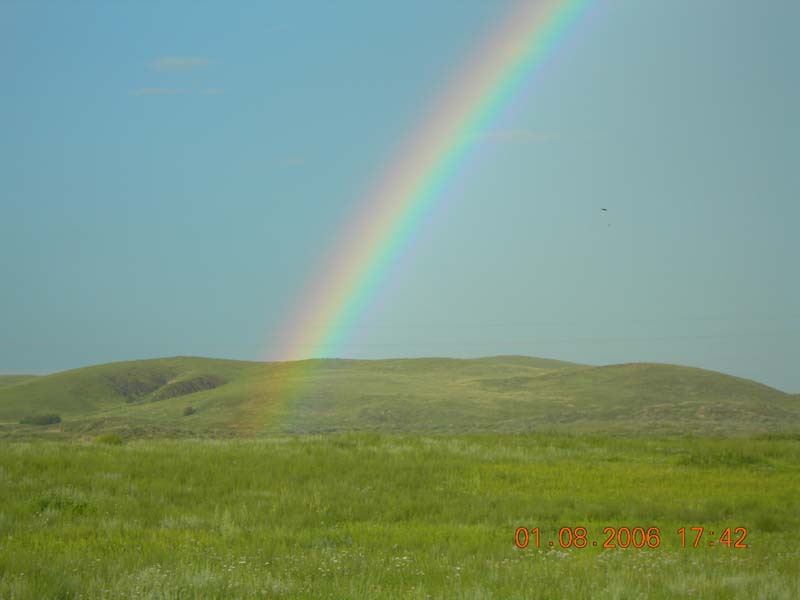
605 209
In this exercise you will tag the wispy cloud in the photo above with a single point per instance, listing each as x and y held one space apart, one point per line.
212 91
518 135
180 63
155 91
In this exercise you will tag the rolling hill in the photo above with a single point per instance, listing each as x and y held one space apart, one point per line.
186 396
6 380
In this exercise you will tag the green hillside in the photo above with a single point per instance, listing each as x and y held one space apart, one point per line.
6 380
510 394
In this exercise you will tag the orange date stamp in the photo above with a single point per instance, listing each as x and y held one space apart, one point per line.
631 537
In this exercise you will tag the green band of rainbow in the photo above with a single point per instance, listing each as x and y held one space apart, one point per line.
393 208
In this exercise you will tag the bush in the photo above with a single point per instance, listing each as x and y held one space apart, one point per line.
112 439
189 410
189 386
40 420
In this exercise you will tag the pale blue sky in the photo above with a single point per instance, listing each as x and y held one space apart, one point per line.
172 174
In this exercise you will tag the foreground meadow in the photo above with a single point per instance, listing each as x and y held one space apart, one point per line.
368 515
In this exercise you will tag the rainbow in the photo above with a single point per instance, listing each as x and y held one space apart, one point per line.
381 228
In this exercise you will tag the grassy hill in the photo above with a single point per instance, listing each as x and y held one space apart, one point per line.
509 394
6 380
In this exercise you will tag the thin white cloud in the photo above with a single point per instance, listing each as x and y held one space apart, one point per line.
180 63
155 91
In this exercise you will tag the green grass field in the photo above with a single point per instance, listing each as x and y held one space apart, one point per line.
395 516
396 479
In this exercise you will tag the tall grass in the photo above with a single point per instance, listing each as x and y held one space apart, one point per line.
367 515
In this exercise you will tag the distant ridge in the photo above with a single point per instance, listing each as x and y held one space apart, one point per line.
194 396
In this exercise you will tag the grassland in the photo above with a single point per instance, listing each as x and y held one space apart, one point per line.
504 394
6 380
394 516
394 479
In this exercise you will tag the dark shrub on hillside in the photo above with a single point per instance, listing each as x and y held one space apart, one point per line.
189 410
135 384
41 420
188 386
